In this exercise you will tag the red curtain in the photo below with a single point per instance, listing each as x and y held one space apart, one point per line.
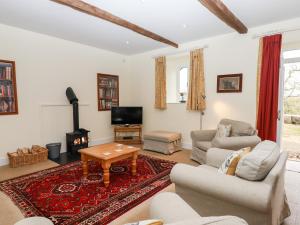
269 88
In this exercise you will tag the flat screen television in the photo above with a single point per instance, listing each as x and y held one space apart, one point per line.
126 115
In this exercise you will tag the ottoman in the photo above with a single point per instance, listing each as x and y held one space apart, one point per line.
165 142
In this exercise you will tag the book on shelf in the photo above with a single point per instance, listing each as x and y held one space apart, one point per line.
6 90
7 106
107 93
108 82
101 93
5 73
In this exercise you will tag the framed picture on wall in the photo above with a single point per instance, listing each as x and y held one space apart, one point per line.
230 83
8 88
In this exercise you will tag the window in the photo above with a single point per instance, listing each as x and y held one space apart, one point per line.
177 78
291 54
183 80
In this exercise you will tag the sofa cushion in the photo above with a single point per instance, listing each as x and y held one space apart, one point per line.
203 145
230 163
222 220
239 128
257 164
223 130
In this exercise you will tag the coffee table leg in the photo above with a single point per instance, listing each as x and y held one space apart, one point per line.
84 165
105 167
133 164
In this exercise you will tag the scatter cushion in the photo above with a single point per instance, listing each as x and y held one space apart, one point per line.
258 163
223 130
229 165
147 222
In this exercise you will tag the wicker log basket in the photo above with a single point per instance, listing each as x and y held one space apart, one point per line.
27 156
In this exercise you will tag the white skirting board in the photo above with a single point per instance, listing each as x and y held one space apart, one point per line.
101 141
187 146
4 160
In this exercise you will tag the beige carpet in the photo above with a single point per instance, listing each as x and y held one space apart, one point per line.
9 213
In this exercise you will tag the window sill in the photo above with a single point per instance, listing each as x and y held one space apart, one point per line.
180 103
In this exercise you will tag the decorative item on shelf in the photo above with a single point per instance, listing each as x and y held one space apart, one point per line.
8 89
182 100
108 91
230 83
26 156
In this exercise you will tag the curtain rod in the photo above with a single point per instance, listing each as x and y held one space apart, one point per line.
179 51
272 32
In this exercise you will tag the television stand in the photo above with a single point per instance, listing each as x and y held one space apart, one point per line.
128 134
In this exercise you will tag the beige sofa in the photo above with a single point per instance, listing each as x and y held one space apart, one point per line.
242 135
211 193
172 210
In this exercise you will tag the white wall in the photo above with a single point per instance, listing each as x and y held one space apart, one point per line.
226 54
45 67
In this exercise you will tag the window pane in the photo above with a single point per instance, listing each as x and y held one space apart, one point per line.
292 80
183 80
291 54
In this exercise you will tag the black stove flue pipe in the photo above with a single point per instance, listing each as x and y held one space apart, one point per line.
74 101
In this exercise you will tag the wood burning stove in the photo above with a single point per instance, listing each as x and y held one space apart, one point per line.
79 138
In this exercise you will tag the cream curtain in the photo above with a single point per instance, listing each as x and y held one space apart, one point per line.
160 83
196 95
260 50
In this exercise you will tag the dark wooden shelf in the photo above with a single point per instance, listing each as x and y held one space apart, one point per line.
107 85
134 139
8 88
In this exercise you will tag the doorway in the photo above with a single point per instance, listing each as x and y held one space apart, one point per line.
290 105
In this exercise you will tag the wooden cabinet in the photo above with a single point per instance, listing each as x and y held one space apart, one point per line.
8 88
108 91
128 134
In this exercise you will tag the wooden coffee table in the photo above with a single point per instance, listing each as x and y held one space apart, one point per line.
107 154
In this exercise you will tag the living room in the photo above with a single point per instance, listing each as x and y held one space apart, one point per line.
54 46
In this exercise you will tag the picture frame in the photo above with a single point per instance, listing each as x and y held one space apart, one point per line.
8 88
230 83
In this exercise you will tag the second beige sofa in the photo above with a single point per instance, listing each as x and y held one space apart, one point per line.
210 193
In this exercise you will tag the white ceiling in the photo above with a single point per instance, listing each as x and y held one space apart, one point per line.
164 17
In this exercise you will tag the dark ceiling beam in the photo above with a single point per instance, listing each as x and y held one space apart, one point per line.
220 10
102 14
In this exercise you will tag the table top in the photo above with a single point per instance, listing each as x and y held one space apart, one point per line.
109 151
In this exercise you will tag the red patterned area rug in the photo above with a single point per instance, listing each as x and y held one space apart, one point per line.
65 197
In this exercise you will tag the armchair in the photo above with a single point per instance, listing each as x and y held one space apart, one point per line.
242 135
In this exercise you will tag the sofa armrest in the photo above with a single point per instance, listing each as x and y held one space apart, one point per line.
216 156
203 135
253 195
170 208
236 143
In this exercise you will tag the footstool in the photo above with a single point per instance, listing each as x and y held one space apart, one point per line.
165 142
